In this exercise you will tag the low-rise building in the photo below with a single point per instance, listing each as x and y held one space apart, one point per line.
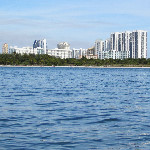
62 51
113 54
38 50
23 50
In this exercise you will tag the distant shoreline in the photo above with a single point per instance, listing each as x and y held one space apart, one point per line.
34 66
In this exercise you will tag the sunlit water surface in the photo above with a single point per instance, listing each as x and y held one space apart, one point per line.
74 108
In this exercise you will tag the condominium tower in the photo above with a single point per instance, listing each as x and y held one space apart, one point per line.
38 44
5 48
123 45
138 44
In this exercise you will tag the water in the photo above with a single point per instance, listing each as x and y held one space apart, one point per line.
74 108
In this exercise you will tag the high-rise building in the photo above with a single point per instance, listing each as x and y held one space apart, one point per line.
138 44
121 42
38 44
123 45
99 47
115 41
107 45
102 46
44 45
91 53
5 48
78 53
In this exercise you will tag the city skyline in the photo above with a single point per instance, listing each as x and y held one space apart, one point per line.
79 23
119 46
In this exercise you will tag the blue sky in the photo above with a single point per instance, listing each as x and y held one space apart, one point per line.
79 22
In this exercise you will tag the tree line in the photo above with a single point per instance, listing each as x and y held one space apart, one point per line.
46 60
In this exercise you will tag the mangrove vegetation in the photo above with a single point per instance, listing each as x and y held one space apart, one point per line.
46 60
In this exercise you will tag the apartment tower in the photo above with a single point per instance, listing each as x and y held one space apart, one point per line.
5 48
122 45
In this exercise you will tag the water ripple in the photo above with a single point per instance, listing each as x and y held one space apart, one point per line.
74 108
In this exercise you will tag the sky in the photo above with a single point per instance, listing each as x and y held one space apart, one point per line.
78 22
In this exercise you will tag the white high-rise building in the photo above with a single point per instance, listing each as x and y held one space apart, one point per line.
123 45
139 44
107 45
115 40
121 42
77 53
39 45
126 41
99 47
5 49
44 45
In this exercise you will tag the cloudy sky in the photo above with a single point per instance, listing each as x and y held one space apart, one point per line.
79 22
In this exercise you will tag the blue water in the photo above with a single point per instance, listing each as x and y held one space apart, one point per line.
74 108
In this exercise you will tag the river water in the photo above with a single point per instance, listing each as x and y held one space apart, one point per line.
45 108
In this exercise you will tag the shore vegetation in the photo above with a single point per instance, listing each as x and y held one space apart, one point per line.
46 60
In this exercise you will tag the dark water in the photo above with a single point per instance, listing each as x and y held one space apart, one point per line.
74 108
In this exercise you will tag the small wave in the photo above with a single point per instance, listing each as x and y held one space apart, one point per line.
106 120
97 140
45 124
11 103
61 143
24 95
6 120
64 94
74 118
7 96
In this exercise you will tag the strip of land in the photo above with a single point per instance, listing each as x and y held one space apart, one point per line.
31 60
75 66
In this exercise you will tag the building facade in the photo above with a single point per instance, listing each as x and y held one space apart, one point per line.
139 44
23 50
5 49
62 51
91 53
77 53
122 45
40 44
113 54
63 45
